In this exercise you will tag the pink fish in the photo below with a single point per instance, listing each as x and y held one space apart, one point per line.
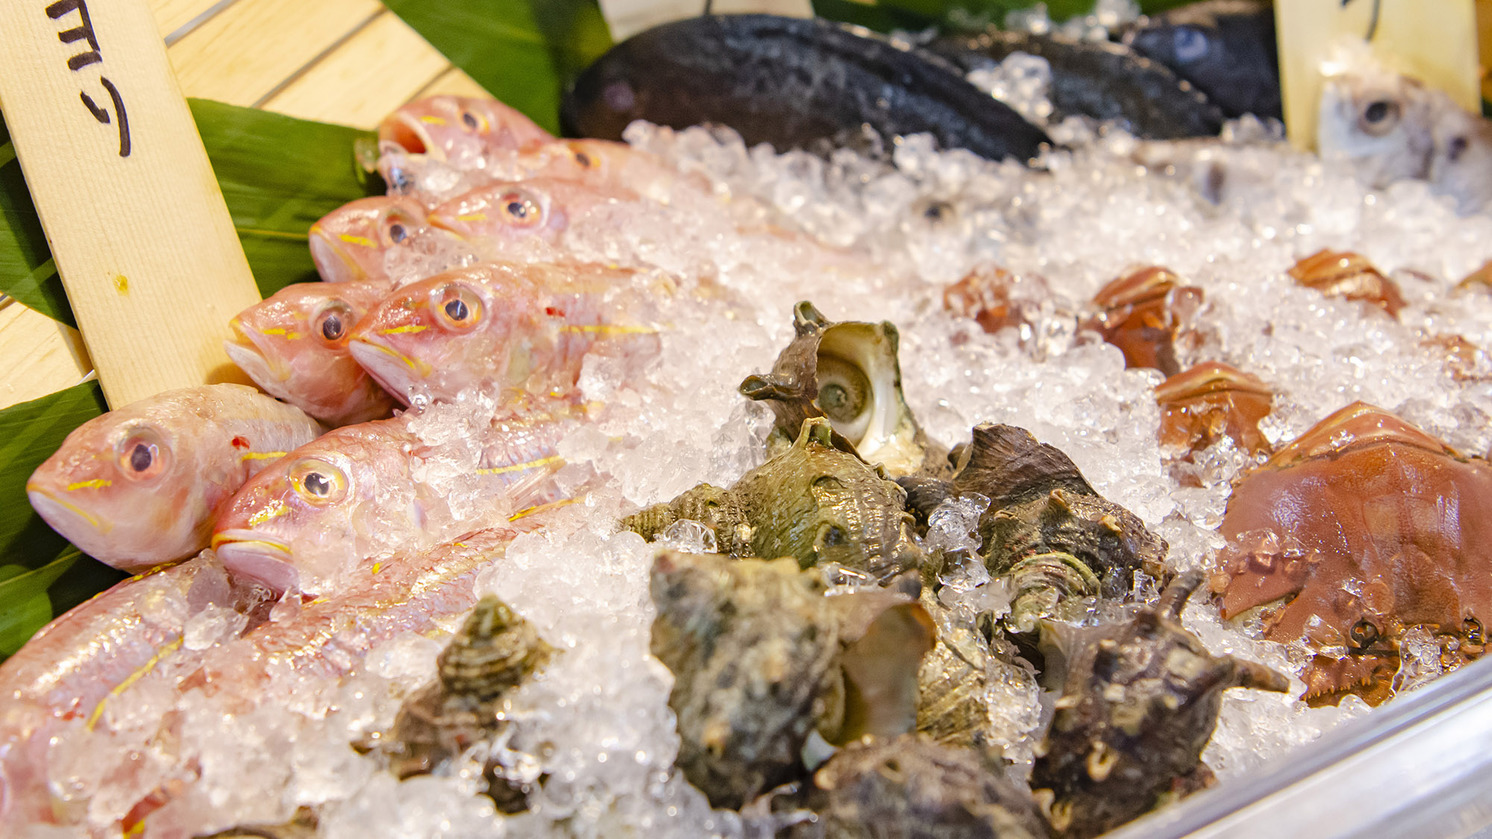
141 485
460 128
523 218
294 345
367 490
353 242
514 329
73 694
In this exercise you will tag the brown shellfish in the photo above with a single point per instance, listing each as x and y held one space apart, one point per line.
1349 276
1139 702
1360 530
1211 401
1144 313
996 298
848 372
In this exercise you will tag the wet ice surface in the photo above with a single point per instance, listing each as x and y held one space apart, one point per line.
888 239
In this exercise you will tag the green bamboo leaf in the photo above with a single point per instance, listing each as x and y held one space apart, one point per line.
522 51
25 605
26 269
29 433
279 175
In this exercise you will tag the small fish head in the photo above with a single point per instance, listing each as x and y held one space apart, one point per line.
1379 121
294 514
435 336
122 486
506 214
350 242
447 127
294 345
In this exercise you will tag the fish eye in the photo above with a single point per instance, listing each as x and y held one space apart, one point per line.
397 232
332 321
844 396
1379 117
519 208
318 482
457 307
142 454
584 160
472 121
1189 43
1362 634
396 228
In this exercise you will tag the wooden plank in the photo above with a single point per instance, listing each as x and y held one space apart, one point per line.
1431 40
252 47
453 82
628 17
41 355
375 71
172 15
124 190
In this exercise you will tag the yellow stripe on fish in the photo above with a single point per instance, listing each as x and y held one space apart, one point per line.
98 710
351 239
261 456
540 508
611 329
519 467
433 120
472 217
273 510
96 483
400 330
285 333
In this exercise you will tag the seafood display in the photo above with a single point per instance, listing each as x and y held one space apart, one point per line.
614 533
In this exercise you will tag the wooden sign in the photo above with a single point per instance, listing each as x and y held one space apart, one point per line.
1432 40
139 231
628 17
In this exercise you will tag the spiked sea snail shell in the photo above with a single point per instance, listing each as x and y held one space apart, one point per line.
495 651
1361 529
761 659
1211 401
1349 276
1139 702
849 373
1144 313
1054 538
816 501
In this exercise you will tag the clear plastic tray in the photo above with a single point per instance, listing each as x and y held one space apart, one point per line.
1420 766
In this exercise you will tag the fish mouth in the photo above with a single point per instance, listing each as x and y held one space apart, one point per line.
449 224
253 358
333 263
391 368
55 511
408 132
248 553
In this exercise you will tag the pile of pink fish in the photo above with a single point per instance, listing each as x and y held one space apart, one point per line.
310 546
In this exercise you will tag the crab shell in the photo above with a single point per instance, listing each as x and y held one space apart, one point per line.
1359 530
848 372
1349 276
1210 401
1143 313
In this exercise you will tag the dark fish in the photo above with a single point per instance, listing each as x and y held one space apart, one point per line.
1100 80
791 82
1226 48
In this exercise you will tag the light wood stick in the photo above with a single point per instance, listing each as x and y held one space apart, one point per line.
1432 40
141 236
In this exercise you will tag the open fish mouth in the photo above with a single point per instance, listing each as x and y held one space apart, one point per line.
408 132
389 367
56 511
249 553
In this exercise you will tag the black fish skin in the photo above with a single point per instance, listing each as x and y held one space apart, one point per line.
791 82
1099 80
1226 48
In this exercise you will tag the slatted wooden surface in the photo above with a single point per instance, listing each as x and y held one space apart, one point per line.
345 61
